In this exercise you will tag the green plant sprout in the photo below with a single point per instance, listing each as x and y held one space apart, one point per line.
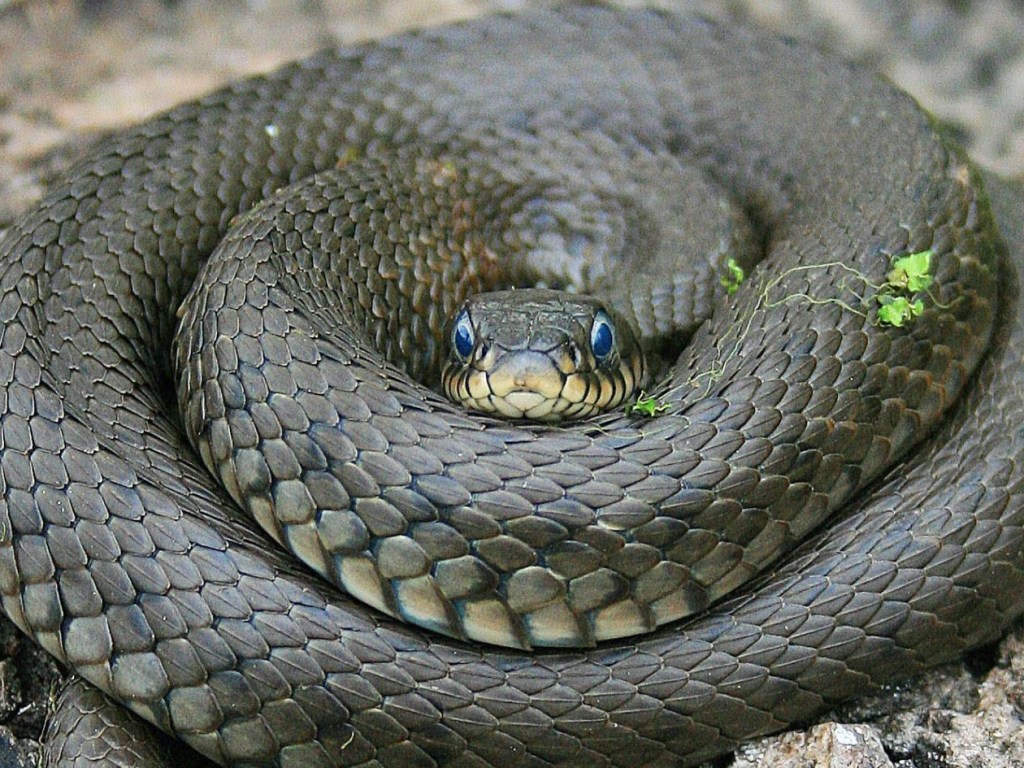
645 405
910 273
733 277
897 310
896 298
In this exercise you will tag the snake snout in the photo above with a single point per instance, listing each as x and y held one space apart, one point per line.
525 371
519 383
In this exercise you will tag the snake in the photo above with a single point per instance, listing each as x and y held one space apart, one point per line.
822 502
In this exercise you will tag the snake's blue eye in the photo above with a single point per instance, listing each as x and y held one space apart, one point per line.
602 336
463 336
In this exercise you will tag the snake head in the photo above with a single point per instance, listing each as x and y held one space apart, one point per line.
540 354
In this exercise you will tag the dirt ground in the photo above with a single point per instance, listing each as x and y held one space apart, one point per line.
71 70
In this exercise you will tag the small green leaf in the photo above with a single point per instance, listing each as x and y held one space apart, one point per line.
733 278
645 405
897 310
897 279
911 272
894 312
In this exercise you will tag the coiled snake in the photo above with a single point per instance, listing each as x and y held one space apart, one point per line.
121 556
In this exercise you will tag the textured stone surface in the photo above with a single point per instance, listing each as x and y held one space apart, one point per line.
829 745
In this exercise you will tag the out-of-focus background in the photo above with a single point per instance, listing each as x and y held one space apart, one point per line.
71 70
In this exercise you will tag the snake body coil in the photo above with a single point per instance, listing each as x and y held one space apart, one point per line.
121 556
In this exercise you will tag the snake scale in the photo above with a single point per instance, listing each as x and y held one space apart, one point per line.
122 557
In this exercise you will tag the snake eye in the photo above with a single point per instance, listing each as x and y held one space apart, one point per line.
463 337
602 336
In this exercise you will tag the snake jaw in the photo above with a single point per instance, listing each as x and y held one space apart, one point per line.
524 384
525 372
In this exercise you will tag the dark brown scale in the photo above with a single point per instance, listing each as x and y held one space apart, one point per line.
120 555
